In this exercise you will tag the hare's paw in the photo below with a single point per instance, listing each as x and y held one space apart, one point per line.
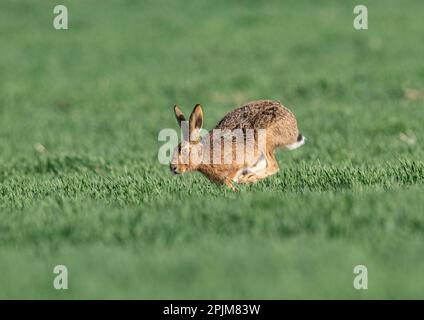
248 178
230 185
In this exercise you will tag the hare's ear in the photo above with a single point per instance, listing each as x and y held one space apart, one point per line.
196 118
179 115
195 122
182 123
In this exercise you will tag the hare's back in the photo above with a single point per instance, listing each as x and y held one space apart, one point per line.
260 114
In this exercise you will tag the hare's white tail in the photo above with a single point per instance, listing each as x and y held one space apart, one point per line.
300 142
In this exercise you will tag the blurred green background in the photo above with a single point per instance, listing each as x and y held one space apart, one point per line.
80 183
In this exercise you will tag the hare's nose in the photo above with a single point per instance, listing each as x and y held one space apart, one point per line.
173 168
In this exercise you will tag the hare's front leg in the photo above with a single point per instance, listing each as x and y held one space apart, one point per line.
229 183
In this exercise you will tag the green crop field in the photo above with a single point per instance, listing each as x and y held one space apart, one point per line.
80 180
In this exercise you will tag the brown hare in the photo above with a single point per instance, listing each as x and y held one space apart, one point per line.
241 147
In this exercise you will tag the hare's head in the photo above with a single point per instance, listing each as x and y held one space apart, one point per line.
187 154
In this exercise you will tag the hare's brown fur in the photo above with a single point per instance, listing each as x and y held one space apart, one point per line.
281 131
264 114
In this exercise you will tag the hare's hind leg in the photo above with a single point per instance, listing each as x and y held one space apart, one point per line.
272 167
265 167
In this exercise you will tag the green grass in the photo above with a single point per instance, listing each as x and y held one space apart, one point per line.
97 199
